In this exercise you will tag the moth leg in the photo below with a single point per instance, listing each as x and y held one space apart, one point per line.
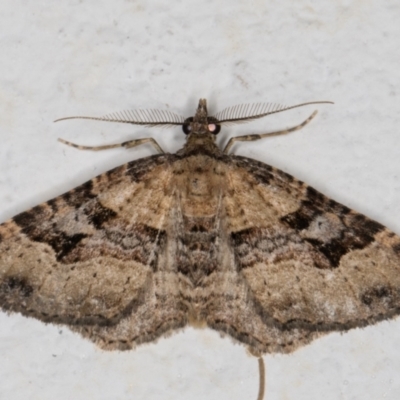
261 370
127 145
250 138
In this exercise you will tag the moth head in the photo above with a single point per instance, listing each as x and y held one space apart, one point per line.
201 123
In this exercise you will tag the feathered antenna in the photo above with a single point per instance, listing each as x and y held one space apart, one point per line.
248 112
150 117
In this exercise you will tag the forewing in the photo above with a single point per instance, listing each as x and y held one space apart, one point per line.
310 262
88 256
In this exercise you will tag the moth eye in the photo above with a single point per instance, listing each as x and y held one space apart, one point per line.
214 128
213 125
186 128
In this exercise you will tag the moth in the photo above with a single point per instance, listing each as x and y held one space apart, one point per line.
200 237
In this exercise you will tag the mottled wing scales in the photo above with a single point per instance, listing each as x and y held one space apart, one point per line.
236 313
87 257
222 241
159 312
311 263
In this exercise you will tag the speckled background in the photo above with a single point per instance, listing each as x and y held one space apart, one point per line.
94 57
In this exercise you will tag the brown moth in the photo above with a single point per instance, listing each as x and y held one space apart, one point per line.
199 237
